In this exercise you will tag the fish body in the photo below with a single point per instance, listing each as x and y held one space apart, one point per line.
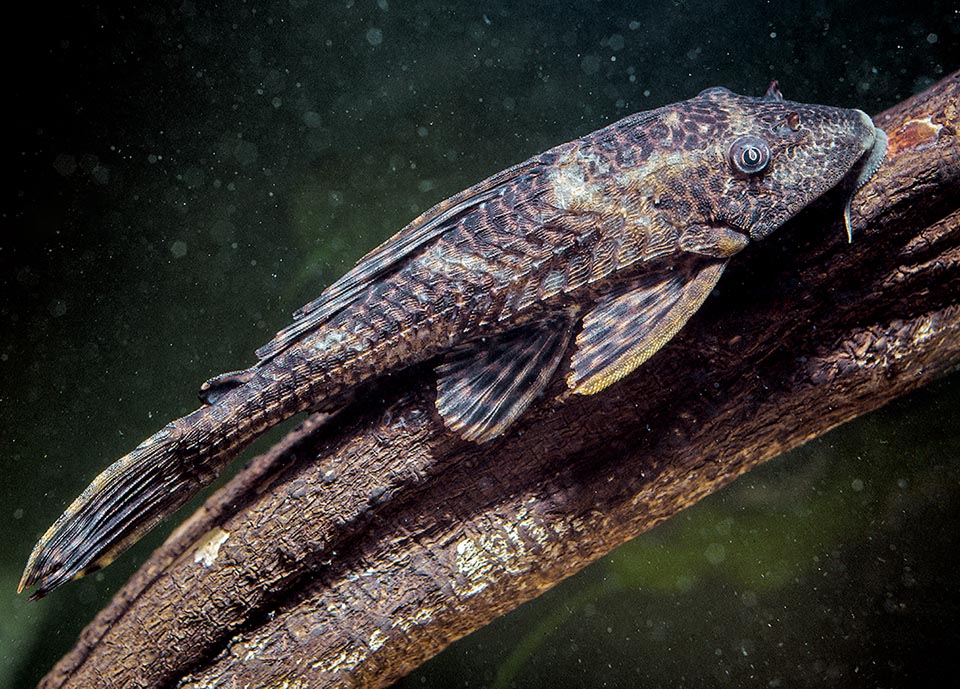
603 247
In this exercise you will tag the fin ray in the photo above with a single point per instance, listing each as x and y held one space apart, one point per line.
628 327
483 388
388 257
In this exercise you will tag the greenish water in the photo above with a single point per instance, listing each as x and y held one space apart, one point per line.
182 176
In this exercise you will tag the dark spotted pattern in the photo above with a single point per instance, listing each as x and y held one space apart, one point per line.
620 234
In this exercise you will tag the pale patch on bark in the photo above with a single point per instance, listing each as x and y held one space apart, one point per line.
209 547
485 558
421 618
342 663
377 640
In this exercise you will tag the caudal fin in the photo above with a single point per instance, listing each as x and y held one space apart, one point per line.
124 502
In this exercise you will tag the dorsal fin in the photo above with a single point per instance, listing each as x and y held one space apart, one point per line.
389 257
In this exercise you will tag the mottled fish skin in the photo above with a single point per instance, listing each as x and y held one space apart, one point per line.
582 261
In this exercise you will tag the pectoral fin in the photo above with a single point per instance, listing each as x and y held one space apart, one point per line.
483 387
627 328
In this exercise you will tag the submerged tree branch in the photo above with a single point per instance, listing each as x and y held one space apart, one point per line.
356 549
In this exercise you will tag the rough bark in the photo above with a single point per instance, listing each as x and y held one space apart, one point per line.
358 548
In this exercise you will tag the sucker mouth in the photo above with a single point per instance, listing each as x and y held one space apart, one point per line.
870 162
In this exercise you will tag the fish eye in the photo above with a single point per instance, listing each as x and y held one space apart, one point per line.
793 121
749 155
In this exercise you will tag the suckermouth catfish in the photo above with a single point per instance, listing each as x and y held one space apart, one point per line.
582 261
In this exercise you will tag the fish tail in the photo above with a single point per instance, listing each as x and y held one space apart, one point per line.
143 487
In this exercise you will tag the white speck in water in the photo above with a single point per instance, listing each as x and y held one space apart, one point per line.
58 307
374 36
422 132
932 38
773 34
615 42
18 513
178 249
857 485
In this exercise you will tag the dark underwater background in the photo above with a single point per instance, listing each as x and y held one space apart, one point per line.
180 176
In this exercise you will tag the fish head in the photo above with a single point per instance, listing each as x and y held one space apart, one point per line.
777 156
